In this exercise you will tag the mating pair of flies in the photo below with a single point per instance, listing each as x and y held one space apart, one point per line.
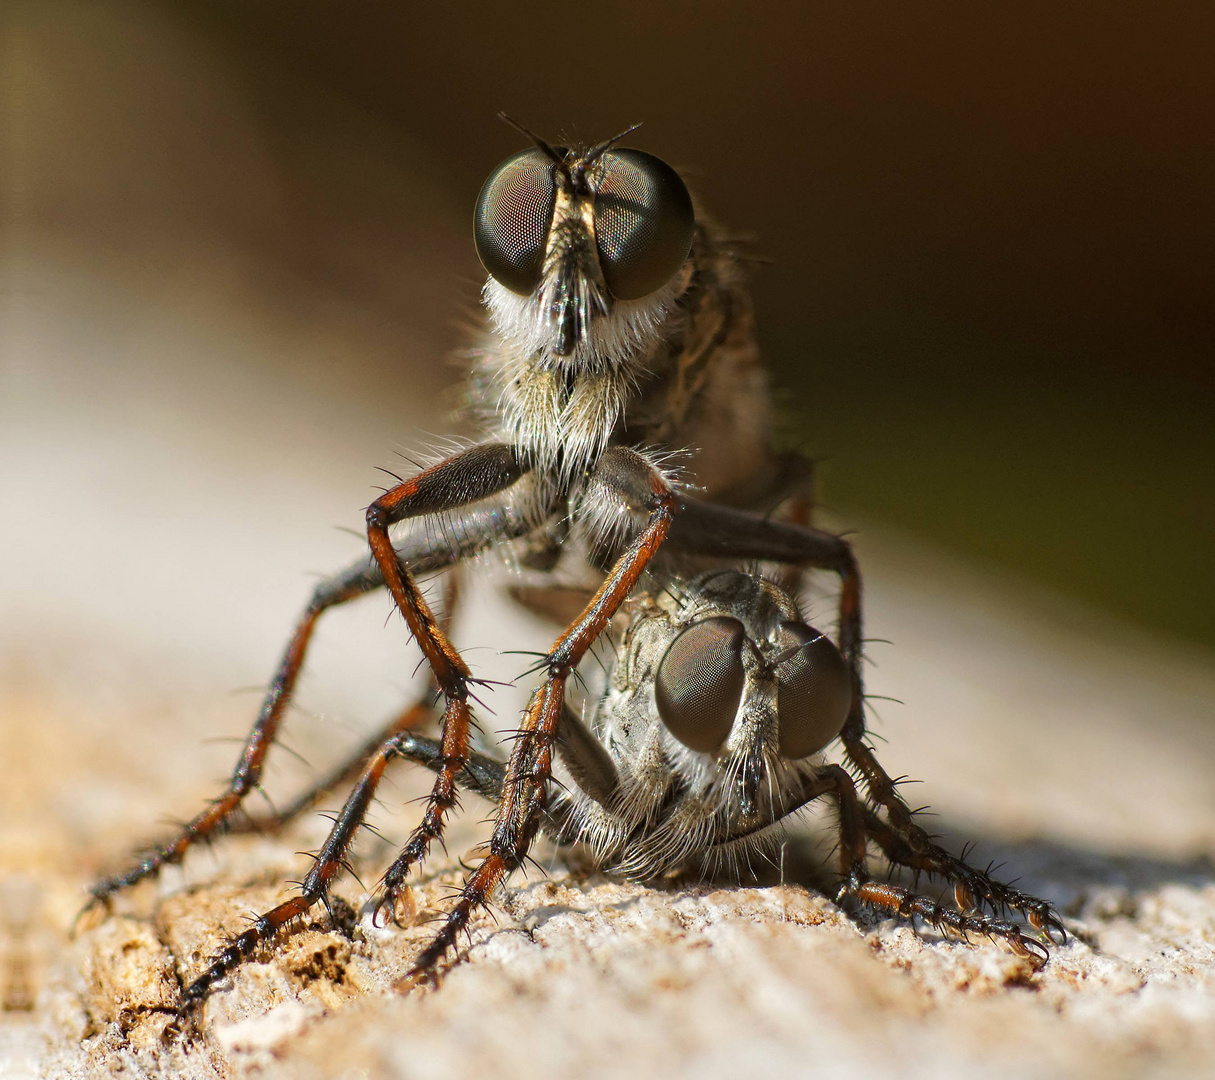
627 454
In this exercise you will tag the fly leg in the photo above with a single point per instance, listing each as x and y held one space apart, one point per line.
859 887
478 773
481 774
420 714
723 532
353 582
476 474
625 477
967 881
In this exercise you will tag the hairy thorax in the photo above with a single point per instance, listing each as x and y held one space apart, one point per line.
677 372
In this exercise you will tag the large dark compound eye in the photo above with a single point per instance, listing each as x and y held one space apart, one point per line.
815 691
643 222
700 683
511 222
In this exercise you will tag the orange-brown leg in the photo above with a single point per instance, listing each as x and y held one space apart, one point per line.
734 534
480 774
330 861
530 767
858 885
967 881
420 714
475 474
248 773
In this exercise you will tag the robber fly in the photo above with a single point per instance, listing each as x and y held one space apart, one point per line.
619 331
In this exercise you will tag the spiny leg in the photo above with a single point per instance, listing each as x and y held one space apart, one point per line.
525 788
724 532
479 774
411 718
967 881
590 764
478 529
350 583
474 474
859 886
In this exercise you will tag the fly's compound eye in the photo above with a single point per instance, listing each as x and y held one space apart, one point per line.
814 691
700 683
643 222
512 219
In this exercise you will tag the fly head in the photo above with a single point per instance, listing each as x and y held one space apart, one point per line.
585 249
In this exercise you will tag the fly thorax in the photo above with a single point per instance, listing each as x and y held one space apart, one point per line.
560 425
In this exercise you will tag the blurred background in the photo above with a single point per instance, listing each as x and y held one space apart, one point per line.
236 260
988 306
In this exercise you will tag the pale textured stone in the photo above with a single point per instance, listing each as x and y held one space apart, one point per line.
176 393
579 975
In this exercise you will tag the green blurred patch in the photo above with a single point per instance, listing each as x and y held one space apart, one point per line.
1095 479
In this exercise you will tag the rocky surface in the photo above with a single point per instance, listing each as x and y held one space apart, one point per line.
192 402
572 974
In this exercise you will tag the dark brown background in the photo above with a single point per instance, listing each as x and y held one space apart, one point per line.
991 298
989 303
235 250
